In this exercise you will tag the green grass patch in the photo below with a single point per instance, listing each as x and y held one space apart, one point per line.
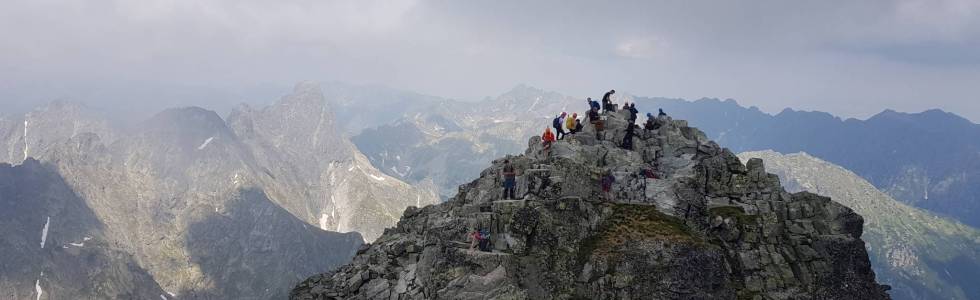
630 223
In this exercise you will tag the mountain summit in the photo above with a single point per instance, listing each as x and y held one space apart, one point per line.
683 219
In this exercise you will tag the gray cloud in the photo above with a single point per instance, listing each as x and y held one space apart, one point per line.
852 58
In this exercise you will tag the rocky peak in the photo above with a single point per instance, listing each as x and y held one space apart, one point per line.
683 219
188 127
34 134
300 124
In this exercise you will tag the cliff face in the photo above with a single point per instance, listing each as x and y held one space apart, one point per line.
919 254
705 226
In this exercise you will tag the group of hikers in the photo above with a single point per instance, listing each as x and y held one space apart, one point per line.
565 125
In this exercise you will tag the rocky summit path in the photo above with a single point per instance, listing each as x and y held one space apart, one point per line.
705 227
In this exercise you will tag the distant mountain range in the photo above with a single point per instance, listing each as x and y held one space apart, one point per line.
929 159
191 205
186 205
450 141
921 255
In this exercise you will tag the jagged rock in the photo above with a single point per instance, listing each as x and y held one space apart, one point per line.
707 227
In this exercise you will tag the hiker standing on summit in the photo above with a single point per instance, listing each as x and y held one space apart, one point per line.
632 109
607 104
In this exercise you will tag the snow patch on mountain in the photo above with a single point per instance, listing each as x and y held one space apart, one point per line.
25 138
44 232
323 221
205 144
37 287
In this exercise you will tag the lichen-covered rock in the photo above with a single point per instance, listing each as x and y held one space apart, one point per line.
685 219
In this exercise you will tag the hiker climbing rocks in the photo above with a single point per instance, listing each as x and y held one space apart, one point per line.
558 124
593 105
485 240
607 104
570 123
510 180
607 181
649 125
546 140
628 138
593 116
474 237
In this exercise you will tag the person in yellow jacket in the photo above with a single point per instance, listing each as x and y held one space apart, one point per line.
570 123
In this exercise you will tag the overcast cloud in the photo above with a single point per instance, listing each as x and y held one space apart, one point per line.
851 58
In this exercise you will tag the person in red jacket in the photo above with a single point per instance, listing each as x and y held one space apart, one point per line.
546 139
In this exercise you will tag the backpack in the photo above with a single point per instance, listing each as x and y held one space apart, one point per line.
556 123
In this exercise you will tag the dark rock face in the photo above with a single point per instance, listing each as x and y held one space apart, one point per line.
910 249
54 246
704 226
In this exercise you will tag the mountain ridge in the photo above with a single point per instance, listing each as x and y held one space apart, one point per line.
216 208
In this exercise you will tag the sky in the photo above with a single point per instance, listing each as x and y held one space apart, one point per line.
849 58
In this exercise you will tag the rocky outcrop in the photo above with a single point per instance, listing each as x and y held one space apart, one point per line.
919 254
685 219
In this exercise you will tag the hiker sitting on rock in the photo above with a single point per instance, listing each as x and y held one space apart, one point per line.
510 180
649 125
546 139
661 113
578 126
